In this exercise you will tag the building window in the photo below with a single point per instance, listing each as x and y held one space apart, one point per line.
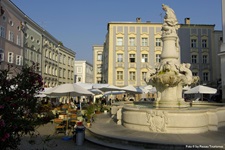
204 43
79 79
56 57
2 32
53 56
10 57
119 75
32 38
64 59
193 43
132 75
144 58
37 58
56 73
31 56
49 70
193 59
60 72
46 69
204 59
119 41
131 41
69 61
99 57
132 57
205 76
38 42
99 80
11 36
26 35
50 55
195 73
1 56
119 57
53 71
18 60
18 42
157 58
64 73
72 75
143 75
72 62
144 42
68 75
99 69
158 42
60 58
79 69
11 23
46 53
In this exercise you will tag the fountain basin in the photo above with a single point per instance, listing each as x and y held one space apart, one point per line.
196 119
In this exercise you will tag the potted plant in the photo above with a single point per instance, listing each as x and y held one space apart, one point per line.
90 111
106 108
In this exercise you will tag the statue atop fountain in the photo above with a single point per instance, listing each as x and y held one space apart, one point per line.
170 75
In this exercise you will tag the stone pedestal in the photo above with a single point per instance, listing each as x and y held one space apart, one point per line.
170 52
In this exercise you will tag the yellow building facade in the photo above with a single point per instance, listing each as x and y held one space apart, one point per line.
131 47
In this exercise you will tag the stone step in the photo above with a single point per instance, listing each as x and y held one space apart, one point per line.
127 144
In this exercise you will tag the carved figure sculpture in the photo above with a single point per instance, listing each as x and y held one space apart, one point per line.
170 20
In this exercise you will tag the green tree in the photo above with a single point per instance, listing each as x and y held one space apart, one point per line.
19 108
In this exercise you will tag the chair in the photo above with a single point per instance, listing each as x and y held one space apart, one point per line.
60 126
65 107
72 111
73 119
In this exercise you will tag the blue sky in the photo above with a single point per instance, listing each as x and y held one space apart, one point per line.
80 24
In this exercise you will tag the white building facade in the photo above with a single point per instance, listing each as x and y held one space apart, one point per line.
83 71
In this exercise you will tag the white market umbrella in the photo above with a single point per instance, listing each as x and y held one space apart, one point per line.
132 89
40 95
201 89
95 91
85 85
89 87
153 90
113 93
99 85
148 89
185 88
68 90
110 88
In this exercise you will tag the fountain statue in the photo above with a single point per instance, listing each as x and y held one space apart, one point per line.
170 76
170 113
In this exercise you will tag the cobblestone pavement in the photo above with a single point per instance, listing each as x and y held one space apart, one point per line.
56 142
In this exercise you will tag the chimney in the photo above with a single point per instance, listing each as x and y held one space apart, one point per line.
187 21
138 19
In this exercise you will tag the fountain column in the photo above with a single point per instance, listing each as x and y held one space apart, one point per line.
169 52
170 76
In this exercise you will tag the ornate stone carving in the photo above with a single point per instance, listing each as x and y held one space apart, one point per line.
170 20
157 120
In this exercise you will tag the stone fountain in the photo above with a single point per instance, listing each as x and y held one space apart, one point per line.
170 75
170 113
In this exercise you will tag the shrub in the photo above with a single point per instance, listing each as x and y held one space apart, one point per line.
19 107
